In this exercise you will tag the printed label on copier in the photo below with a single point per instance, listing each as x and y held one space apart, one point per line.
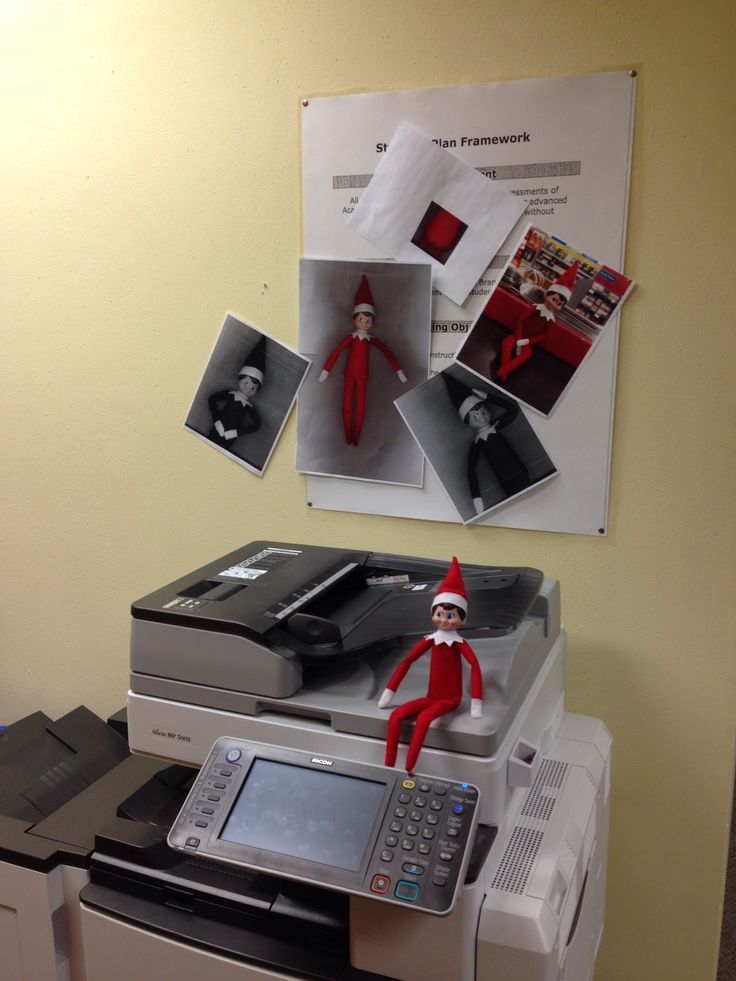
258 565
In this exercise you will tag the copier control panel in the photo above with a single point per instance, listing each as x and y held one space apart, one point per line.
361 829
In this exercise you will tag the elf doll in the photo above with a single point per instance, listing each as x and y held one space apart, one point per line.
233 412
445 689
488 415
358 344
534 325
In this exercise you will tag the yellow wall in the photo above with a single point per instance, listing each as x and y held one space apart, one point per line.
151 181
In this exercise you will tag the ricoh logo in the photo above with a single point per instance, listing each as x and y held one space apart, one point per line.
316 759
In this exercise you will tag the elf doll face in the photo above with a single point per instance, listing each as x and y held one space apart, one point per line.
363 321
446 619
479 416
248 386
554 301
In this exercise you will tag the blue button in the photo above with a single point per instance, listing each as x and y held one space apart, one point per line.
458 808
407 890
233 755
465 785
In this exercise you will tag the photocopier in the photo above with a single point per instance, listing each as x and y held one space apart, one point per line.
274 843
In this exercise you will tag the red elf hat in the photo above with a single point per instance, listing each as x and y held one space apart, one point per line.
452 589
364 299
565 283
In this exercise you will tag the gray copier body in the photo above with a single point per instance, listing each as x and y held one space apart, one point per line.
291 645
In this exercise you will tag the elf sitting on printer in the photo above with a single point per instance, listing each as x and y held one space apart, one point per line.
445 689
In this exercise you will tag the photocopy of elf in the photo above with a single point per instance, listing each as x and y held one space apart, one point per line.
233 412
488 415
534 325
445 690
358 344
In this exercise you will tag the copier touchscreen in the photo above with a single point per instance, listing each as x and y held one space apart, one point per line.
316 815
357 828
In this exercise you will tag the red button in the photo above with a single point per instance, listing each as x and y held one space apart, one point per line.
380 883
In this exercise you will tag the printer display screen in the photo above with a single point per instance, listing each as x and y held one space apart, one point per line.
309 814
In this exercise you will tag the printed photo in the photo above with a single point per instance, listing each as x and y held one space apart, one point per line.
245 396
477 440
366 328
543 319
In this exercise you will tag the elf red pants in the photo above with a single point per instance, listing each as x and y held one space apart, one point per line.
426 711
353 415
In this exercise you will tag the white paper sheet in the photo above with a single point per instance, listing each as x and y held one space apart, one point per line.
414 176
564 145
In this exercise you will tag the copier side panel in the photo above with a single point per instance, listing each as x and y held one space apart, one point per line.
33 938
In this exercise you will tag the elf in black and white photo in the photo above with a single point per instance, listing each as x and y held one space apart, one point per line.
233 411
488 415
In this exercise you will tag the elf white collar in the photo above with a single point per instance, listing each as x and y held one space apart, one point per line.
544 311
489 430
448 637
361 335
239 397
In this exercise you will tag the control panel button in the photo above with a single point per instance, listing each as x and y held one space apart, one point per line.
411 868
220 786
439 880
391 840
458 808
439 790
213 797
415 816
407 845
201 824
432 819
208 810
420 801
423 848
412 829
400 812
452 832
446 856
435 805
409 784
424 787
380 884
408 891
192 842
387 856
404 798
427 833
233 755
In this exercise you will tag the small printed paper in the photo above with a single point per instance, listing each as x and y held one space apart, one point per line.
424 204
366 328
543 319
477 441
247 391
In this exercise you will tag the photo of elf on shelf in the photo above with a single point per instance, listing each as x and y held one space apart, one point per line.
543 319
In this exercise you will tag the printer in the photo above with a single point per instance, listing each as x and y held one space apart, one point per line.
287 647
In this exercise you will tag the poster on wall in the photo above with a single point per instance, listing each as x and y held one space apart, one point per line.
561 145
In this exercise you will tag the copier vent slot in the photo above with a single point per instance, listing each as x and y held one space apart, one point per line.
516 865
212 589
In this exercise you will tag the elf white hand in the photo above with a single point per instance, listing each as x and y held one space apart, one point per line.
385 698
476 706
323 374
220 428
402 376
521 344
478 505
